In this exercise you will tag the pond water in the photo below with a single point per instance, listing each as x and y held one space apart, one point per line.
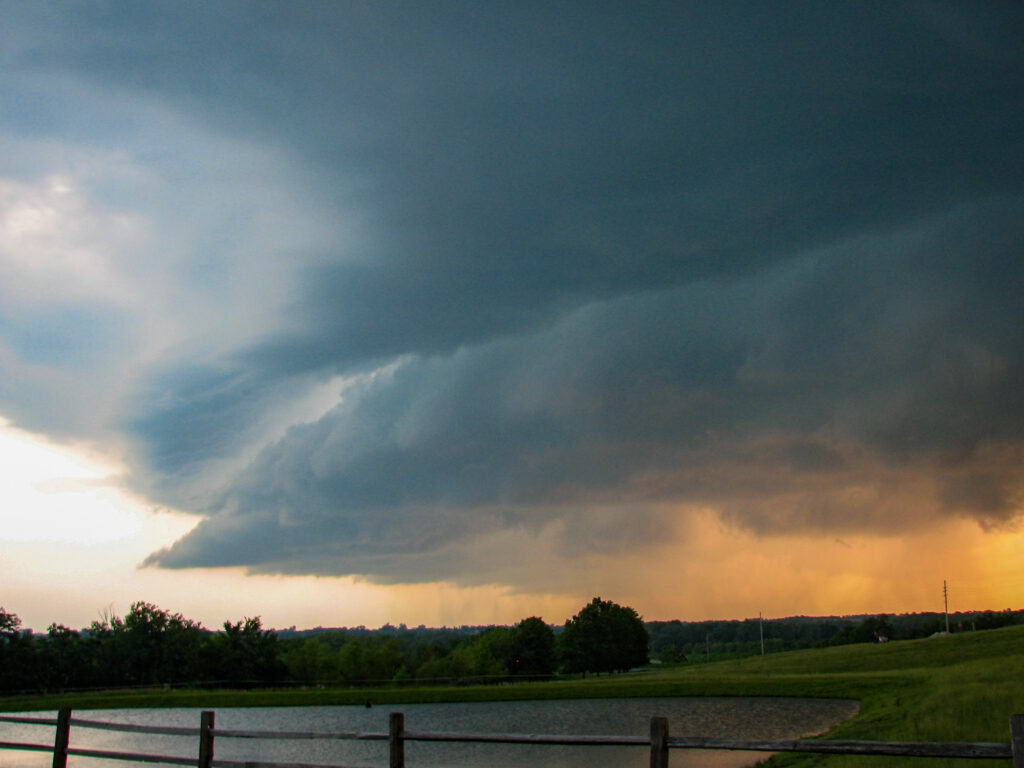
722 717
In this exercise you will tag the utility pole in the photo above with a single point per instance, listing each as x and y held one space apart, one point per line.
760 623
707 645
945 599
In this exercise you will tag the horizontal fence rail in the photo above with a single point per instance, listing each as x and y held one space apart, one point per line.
659 742
979 750
337 735
158 730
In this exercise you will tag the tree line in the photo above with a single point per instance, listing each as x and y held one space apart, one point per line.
150 646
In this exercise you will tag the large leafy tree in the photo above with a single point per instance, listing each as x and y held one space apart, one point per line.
246 654
62 659
156 646
532 649
603 637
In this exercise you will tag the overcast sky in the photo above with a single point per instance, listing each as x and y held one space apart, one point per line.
543 301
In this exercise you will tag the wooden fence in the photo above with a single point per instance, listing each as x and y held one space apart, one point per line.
659 742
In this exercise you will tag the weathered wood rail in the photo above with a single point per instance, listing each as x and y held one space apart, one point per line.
659 742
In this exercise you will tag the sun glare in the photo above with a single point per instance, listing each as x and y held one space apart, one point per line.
54 493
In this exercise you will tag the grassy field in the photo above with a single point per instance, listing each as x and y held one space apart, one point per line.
954 688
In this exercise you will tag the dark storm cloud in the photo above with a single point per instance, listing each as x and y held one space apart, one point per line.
600 264
540 166
778 400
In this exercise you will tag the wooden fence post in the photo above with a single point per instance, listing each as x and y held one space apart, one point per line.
60 741
659 742
396 725
206 739
1017 740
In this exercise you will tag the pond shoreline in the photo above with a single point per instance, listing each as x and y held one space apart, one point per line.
617 686
714 717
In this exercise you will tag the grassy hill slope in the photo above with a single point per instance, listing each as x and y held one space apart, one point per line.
950 688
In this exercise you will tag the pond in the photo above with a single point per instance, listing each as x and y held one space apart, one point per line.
704 716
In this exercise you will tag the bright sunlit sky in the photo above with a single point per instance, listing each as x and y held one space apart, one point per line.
356 313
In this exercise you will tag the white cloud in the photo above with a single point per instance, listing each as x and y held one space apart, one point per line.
134 239
55 246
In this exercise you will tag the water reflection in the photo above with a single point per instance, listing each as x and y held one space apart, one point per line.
722 717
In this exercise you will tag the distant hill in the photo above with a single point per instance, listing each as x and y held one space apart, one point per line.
696 641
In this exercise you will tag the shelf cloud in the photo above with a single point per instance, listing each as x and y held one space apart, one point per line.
434 293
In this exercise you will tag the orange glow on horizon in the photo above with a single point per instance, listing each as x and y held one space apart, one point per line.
700 569
735 574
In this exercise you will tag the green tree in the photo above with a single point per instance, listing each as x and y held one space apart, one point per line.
478 658
364 660
483 657
310 661
245 653
603 637
157 646
532 649
63 657
435 670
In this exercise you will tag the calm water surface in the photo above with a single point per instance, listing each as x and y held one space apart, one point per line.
724 717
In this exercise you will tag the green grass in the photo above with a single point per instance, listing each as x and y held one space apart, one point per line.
955 688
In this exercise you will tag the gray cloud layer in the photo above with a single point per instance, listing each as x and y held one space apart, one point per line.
575 272
824 394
